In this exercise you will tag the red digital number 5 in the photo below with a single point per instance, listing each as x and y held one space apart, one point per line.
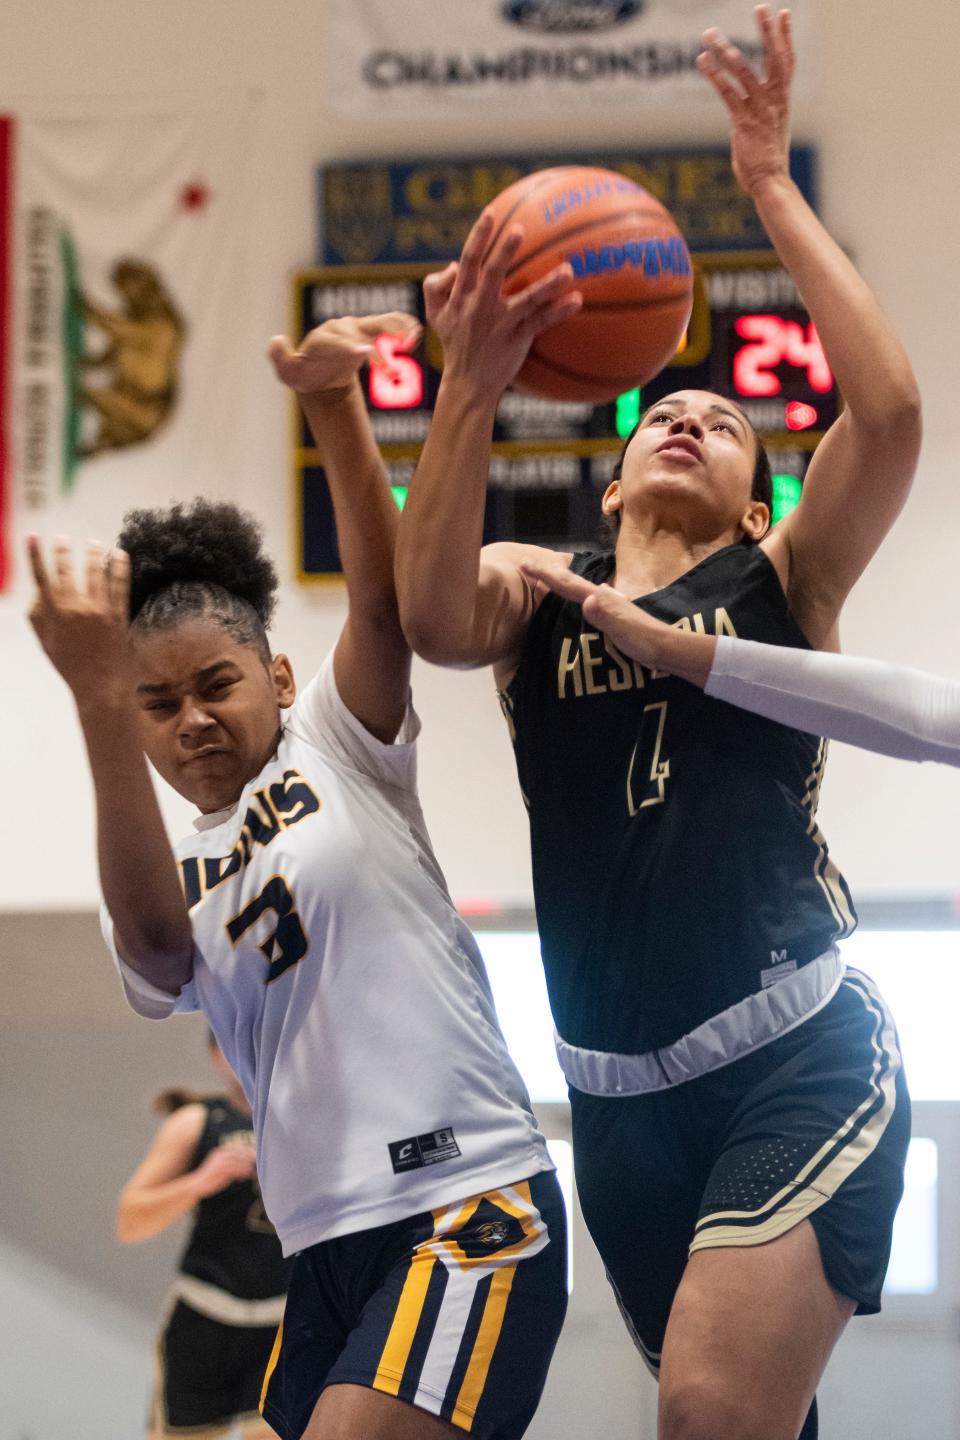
397 384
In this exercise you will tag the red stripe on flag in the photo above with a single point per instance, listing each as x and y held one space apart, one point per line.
7 128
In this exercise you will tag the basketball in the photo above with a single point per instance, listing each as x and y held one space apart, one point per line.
630 263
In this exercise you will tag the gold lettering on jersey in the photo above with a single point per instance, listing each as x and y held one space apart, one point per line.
274 808
569 667
590 663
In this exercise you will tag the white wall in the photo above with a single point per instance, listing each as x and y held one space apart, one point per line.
884 119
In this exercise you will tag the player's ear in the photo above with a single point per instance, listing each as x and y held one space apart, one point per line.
755 521
612 498
284 685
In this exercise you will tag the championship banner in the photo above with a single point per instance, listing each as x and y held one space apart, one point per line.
119 278
526 55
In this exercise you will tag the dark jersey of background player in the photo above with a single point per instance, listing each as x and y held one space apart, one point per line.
232 1244
660 818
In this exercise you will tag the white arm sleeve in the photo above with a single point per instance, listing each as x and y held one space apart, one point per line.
889 709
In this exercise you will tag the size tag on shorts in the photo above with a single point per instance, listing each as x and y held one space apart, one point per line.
421 1150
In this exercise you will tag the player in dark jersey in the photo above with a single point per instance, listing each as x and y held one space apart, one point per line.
740 1118
228 1296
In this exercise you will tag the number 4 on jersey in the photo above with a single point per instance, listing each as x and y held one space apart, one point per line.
648 771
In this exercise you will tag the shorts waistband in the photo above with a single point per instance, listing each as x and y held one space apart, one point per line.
217 1304
737 1031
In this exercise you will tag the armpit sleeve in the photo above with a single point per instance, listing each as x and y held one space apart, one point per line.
889 709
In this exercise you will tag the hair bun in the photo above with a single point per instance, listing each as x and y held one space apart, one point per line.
209 542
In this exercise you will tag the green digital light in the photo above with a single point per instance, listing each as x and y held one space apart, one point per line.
399 493
628 412
786 495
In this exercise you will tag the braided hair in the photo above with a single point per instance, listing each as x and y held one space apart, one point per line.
205 558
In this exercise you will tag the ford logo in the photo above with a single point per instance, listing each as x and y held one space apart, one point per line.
571 15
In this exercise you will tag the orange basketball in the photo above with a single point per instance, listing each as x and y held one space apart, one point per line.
629 261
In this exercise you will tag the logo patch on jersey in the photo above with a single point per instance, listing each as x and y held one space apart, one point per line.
488 1230
420 1150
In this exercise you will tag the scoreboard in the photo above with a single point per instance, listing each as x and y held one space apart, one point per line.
749 338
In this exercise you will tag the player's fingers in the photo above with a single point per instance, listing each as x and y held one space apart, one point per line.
788 54
775 52
728 92
438 286
547 288
118 584
471 257
63 564
395 322
733 63
559 578
95 577
497 264
282 356
37 566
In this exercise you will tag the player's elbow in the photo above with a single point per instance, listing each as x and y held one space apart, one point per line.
124 1227
432 637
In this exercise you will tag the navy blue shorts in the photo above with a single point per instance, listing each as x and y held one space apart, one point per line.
813 1126
456 1311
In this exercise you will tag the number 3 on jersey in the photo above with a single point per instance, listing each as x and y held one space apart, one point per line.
286 943
648 772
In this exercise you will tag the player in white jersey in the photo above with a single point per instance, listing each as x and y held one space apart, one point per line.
308 918
892 710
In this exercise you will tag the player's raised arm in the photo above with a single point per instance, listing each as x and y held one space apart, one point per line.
862 471
82 625
372 657
458 606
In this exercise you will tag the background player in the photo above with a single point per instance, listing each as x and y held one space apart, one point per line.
308 918
734 1095
228 1296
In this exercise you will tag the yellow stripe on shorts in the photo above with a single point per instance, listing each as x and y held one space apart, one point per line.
396 1352
271 1366
484 1347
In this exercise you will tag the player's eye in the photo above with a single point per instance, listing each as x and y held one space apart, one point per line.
659 415
219 686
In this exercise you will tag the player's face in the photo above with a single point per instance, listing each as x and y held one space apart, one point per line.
209 708
691 458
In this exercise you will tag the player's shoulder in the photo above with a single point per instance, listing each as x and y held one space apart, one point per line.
185 1126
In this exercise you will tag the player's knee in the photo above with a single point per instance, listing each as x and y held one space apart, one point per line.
712 1408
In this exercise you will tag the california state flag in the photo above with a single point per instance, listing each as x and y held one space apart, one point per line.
122 249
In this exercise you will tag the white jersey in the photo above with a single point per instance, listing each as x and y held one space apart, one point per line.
343 988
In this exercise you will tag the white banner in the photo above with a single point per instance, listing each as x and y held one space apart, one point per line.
521 55
125 275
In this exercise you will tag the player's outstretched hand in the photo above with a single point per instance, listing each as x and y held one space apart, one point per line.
758 105
485 334
328 358
224 1165
633 631
82 622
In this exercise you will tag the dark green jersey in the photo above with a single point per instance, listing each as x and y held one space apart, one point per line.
232 1244
677 862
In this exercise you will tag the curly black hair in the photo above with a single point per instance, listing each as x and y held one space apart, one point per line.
205 558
